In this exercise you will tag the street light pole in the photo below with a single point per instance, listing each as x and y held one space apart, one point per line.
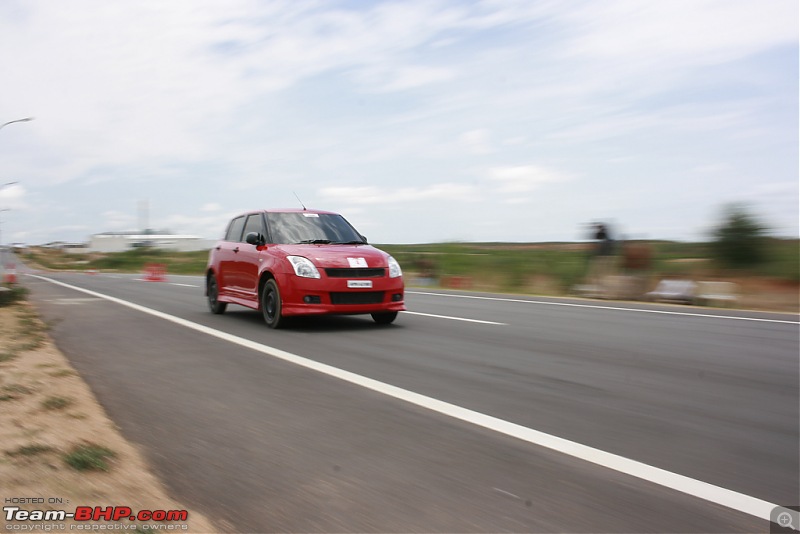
26 119
2 250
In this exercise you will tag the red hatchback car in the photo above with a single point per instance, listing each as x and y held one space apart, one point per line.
288 262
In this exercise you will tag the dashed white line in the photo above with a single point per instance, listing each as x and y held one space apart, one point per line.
183 285
617 308
455 318
703 490
504 492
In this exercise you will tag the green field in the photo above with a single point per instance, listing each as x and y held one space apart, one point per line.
560 266
131 261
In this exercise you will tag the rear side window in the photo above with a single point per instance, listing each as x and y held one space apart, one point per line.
235 229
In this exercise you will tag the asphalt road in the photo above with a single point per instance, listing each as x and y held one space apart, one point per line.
264 444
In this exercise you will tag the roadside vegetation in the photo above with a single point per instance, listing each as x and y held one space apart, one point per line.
738 250
511 266
504 266
133 260
552 269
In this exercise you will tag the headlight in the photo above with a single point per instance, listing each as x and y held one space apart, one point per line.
303 267
394 268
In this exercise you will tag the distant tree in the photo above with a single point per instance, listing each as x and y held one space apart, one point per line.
739 240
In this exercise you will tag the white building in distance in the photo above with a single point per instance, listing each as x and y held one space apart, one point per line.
122 241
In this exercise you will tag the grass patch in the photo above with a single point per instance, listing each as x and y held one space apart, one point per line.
62 372
28 322
7 356
30 330
30 450
36 341
56 403
89 457
17 388
15 293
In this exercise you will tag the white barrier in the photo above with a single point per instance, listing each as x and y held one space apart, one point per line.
710 293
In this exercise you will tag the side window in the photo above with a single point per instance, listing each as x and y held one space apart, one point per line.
254 224
235 229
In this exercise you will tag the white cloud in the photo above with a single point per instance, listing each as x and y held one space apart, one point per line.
211 207
687 32
477 141
12 197
402 78
208 103
523 178
785 191
203 225
380 195
116 221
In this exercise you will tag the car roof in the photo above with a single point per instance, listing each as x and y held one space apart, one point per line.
287 210
297 210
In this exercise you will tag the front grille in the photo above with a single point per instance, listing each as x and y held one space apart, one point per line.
360 297
356 273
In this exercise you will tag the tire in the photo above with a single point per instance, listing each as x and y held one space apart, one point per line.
384 317
271 305
213 296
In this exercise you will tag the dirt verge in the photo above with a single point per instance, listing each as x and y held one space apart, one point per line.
59 450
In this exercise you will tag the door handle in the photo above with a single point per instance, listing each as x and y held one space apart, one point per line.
236 249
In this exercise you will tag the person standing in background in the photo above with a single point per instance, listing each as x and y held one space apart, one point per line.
602 261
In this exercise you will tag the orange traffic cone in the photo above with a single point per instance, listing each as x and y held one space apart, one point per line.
155 272
10 275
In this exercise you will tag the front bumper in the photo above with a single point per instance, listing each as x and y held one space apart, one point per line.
310 296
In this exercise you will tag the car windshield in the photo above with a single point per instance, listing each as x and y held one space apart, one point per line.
315 228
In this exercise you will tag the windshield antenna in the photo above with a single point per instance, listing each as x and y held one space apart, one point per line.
300 201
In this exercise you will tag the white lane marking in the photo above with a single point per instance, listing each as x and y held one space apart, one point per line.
703 490
145 280
499 299
455 318
73 300
504 492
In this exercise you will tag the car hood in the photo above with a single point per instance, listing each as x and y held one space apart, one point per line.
338 256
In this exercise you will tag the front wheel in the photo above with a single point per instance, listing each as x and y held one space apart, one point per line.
271 304
384 317
213 297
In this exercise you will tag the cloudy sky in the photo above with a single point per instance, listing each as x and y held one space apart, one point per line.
420 121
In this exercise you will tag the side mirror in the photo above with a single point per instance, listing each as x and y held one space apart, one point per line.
254 238
364 239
